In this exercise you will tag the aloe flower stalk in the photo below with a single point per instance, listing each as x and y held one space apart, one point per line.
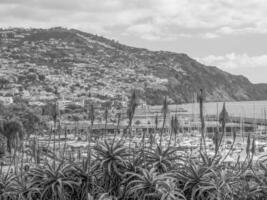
164 111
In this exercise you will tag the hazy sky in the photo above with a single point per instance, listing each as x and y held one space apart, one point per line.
230 34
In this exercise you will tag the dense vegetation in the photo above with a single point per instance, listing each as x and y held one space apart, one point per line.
119 172
117 169
18 120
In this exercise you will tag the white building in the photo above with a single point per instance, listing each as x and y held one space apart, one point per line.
6 100
63 103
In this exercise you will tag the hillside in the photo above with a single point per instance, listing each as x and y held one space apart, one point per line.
82 65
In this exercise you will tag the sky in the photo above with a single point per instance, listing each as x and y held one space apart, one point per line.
229 34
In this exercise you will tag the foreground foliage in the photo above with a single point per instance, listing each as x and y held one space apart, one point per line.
116 171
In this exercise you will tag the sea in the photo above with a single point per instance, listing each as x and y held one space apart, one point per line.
245 109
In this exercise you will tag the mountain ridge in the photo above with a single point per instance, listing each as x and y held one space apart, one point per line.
85 63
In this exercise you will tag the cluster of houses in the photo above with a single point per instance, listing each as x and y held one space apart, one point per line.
73 70
7 35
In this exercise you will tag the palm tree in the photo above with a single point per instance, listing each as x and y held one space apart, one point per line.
164 111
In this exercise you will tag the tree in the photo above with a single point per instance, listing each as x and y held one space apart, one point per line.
137 122
57 94
41 77
3 83
13 131
51 109
28 117
72 88
30 122
32 77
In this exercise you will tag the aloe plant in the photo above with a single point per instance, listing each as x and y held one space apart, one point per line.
156 122
24 189
147 185
7 186
175 128
112 160
106 119
223 119
91 116
132 105
201 102
172 130
113 170
162 159
87 176
164 111
53 181
197 180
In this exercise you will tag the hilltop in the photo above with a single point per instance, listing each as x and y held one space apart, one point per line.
83 65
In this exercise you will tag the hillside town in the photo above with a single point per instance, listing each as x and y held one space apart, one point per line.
35 63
